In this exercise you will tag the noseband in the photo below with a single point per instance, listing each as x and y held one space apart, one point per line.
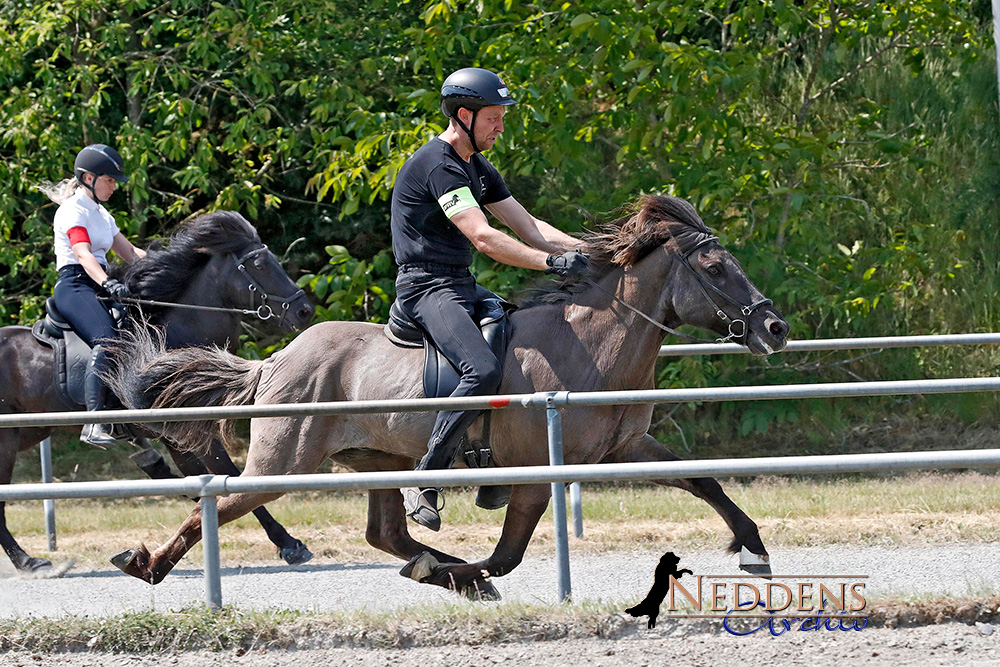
737 328
264 311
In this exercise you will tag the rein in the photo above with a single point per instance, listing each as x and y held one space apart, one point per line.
737 328
264 311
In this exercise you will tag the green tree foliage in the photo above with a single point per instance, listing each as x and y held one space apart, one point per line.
845 151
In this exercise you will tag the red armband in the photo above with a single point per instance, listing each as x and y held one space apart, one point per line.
78 235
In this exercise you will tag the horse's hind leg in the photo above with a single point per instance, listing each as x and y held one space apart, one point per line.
217 461
21 560
746 537
153 567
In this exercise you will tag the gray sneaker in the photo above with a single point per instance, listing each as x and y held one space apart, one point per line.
421 505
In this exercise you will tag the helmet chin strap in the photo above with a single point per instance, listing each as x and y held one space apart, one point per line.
469 130
93 193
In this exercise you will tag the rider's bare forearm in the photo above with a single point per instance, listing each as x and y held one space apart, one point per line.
502 248
557 240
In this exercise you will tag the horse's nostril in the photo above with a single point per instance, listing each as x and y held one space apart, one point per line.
778 329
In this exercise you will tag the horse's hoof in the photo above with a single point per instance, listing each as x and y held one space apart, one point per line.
420 567
482 591
33 565
296 555
133 562
756 564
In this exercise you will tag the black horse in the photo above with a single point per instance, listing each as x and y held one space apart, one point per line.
216 260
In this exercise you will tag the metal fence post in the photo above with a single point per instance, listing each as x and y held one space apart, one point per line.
558 497
210 543
48 505
576 508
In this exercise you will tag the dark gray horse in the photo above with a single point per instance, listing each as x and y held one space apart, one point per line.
659 261
214 260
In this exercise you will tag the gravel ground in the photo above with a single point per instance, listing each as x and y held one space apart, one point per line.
951 571
949 644
901 572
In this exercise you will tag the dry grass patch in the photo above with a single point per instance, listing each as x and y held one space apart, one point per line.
459 623
920 508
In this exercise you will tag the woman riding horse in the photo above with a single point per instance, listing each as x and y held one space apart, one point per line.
84 233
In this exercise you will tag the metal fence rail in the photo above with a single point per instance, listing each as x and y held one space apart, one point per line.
209 487
830 344
561 399
221 485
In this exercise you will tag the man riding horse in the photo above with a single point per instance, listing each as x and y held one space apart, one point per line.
437 215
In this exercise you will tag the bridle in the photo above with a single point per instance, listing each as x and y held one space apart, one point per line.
738 328
264 311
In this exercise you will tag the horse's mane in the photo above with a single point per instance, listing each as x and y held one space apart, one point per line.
167 270
646 224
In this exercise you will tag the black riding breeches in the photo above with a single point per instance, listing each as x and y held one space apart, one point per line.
442 301
75 295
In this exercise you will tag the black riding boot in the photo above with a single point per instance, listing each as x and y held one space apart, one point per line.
96 398
421 505
151 462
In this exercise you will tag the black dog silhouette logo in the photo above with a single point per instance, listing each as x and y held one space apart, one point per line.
650 606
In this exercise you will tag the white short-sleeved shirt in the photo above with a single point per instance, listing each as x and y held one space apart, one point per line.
81 219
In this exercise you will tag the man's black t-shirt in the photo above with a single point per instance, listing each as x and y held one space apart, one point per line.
434 184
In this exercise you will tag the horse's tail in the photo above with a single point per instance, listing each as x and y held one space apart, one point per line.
144 374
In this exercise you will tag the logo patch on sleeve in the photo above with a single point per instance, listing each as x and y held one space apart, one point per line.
456 201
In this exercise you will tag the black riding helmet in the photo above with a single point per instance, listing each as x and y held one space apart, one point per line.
99 160
472 88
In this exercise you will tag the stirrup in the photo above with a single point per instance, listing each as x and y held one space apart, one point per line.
98 435
423 508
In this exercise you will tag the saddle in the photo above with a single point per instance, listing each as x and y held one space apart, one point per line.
440 377
72 354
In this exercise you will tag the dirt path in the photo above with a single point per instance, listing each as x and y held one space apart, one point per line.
950 644
950 571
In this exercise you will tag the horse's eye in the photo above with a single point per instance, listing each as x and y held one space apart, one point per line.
714 270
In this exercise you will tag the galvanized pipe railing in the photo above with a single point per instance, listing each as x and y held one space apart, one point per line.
535 400
831 344
210 487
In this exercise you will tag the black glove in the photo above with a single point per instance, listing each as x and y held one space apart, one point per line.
115 289
572 264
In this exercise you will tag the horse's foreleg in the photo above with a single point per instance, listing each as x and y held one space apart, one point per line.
21 560
527 504
746 537
153 567
217 461
387 529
